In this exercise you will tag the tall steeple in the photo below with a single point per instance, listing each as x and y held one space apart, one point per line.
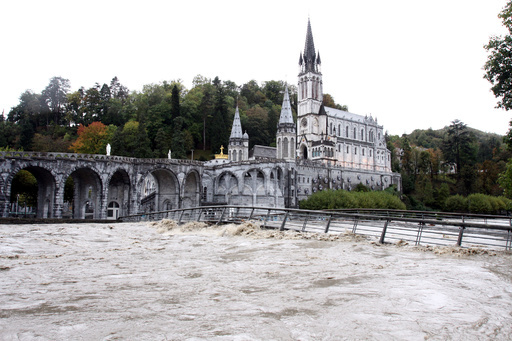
310 121
309 50
309 61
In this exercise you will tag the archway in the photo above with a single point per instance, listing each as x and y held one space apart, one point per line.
304 152
32 192
191 190
160 191
87 194
227 188
119 193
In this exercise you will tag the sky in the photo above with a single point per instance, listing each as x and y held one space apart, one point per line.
411 64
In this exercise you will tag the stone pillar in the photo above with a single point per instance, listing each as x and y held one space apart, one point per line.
58 200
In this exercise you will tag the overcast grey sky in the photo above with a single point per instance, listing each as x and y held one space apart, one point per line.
412 64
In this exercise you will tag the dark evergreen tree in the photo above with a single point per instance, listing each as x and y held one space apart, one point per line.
55 95
457 146
178 140
175 103
219 130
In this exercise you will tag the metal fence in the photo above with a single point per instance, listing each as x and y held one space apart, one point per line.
412 227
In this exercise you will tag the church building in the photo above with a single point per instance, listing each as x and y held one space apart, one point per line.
326 148
330 135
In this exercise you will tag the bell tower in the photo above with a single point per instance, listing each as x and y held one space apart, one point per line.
310 122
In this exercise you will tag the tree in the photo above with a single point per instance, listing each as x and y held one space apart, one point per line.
175 103
55 95
92 139
505 180
219 130
457 148
499 62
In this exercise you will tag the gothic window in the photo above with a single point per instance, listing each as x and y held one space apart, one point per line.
371 136
240 155
355 133
285 147
292 147
348 150
362 151
370 153
355 151
233 155
330 128
346 131
339 129
362 134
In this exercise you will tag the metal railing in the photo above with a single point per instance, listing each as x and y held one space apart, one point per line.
443 229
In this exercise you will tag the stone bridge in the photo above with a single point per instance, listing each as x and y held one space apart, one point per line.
106 187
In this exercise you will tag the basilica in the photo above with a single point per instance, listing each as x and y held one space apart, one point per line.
326 148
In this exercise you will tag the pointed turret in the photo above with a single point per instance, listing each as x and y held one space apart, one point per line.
236 130
286 130
238 142
286 109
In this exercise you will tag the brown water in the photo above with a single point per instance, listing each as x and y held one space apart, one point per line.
163 282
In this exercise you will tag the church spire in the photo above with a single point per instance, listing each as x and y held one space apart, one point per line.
309 50
236 130
286 109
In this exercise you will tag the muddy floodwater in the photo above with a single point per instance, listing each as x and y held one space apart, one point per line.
140 281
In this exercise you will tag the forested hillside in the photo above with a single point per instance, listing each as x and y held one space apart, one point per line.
168 116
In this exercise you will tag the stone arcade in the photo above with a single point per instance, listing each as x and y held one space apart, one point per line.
326 148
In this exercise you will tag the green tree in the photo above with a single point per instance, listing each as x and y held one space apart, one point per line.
498 67
219 130
505 180
457 146
55 95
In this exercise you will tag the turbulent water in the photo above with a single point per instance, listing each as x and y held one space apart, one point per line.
161 281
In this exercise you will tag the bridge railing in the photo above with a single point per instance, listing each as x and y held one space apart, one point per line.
96 157
385 226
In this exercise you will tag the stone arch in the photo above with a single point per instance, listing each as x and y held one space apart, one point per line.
46 189
227 187
87 193
166 190
118 191
277 181
254 185
191 190
304 151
